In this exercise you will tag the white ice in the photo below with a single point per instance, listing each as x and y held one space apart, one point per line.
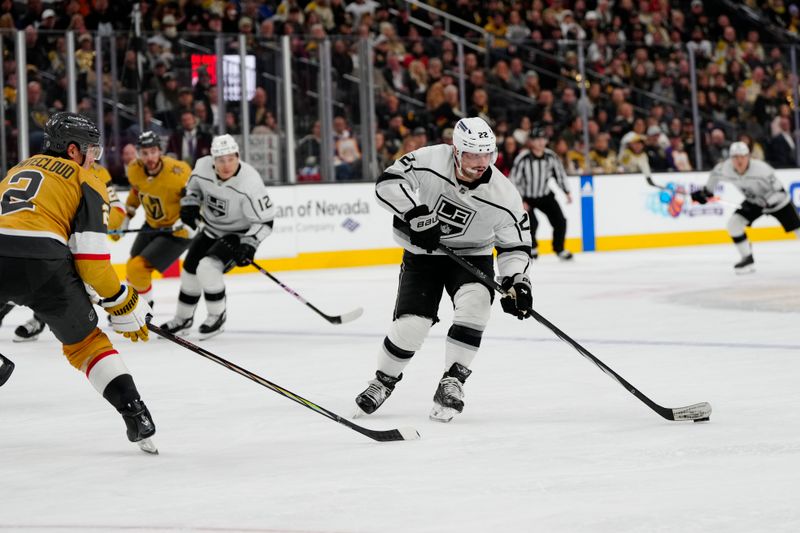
546 442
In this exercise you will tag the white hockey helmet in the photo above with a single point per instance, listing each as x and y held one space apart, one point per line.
223 145
739 148
475 136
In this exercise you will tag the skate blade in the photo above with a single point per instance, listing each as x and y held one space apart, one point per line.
206 336
745 270
443 414
359 413
148 446
25 339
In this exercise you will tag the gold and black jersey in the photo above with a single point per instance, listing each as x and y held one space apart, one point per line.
117 212
159 195
51 208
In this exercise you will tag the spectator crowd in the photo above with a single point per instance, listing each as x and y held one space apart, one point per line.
520 68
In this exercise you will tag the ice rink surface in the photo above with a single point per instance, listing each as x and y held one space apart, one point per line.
547 442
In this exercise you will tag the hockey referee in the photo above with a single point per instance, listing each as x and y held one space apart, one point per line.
531 174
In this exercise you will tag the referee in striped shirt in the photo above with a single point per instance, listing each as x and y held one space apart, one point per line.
531 173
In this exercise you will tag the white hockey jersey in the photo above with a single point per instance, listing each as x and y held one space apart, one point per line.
237 205
758 184
474 217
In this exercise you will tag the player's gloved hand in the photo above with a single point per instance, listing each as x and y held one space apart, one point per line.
702 196
190 215
182 231
425 229
519 300
118 232
128 313
244 254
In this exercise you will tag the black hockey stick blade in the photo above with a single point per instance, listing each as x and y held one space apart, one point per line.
6 368
699 412
378 435
333 319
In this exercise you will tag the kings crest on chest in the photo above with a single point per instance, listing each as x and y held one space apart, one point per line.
454 218
217 206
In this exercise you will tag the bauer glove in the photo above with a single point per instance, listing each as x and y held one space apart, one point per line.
425 229
128 313
702 196
190 215
519 298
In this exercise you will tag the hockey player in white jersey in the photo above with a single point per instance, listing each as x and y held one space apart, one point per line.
453 195
227 200
763 195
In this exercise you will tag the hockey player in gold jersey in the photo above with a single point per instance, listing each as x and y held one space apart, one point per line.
54 253
30 330
157 184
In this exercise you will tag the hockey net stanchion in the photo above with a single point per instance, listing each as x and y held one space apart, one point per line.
699 412
388 435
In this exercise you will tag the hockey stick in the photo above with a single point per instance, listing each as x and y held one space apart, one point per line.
337 319
381 436
140 230
682 190
698 412
6 368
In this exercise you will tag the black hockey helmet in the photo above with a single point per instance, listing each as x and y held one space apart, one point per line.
148 139
65 128
538 132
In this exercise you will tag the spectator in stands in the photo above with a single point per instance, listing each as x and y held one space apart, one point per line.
718 147
189 143
602 159
782 152
634 157
756 150
677 158
506 156
656 156
347 153
133 131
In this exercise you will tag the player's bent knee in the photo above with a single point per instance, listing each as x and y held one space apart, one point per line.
408 332
736 225
473 305
139 272
82 353
209 273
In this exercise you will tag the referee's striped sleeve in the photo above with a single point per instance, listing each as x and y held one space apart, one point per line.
559 173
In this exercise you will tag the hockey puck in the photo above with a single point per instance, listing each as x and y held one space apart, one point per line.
706 419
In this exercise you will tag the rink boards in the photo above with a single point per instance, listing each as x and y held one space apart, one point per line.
342 225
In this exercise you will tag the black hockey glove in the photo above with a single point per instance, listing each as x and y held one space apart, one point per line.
425 229
701 196
519 301
244 254
190 215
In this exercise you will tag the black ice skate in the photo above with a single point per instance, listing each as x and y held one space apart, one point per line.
178 326
29 331
140 425
6 368
376 393
449 397
4 310
214 325
745 266
565 255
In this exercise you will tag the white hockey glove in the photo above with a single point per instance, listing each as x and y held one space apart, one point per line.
129 313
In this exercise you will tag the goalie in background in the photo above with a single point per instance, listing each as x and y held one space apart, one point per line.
763 193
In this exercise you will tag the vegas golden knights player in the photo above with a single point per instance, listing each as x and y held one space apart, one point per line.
53 253
157 184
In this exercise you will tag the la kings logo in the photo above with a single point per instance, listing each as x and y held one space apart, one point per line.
217 206
454 218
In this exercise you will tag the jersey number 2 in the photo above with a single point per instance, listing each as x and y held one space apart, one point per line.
25 187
